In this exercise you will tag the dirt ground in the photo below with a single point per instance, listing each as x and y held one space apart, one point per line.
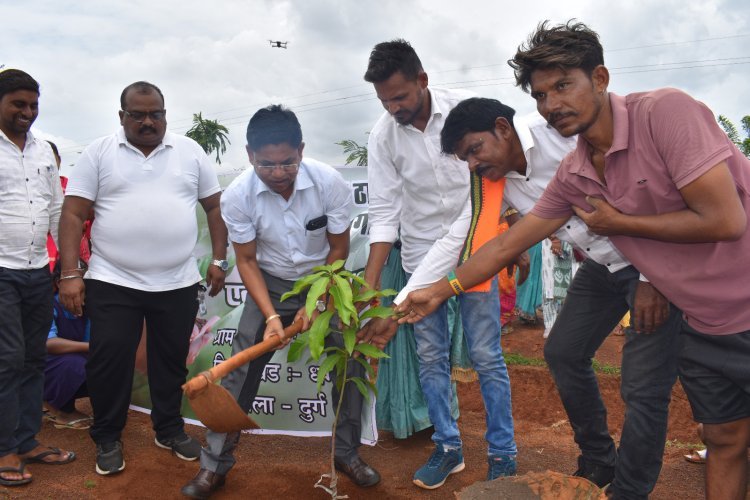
288 467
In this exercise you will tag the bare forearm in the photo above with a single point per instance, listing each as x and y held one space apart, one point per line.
71 226
59 345
375 261
217 230
255 285
684 226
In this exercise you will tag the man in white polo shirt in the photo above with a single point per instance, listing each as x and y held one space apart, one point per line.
285 216
143 184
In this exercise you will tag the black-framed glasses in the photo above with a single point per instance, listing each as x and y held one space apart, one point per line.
140 116
289 168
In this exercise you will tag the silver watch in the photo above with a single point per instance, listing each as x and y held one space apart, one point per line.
320 306
221 264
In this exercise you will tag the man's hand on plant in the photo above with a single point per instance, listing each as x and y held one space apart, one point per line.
274 327
650 308
378 332
306 321
417 305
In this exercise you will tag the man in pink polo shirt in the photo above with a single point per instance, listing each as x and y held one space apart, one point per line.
655 173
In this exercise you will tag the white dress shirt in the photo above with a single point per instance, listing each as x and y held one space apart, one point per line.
284 247
30 202
544 149
145 228
412 185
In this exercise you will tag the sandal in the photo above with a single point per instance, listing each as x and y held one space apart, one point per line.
14 482
39 458
80 424
696 456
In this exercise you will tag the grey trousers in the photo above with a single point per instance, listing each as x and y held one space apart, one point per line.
242 383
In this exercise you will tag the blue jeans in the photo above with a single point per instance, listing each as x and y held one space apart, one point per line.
480 316
25 320
595 303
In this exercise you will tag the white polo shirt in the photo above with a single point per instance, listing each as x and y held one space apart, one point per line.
145 228
544 149
284 247
30 202
412 185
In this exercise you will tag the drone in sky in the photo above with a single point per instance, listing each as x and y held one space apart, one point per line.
278 44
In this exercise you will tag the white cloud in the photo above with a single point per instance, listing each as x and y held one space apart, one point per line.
214 57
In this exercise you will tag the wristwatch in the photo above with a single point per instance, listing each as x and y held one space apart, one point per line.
221 264
320 306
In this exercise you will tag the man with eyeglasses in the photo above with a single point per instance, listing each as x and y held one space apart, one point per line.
143 184
285 216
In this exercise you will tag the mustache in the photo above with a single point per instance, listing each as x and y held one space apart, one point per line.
146 128
553 117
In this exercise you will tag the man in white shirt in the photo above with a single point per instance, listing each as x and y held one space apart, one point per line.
417 190
144 184
30 201
285 216
527 152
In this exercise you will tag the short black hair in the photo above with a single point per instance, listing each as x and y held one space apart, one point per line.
142 88
476 114
12 80
565 46
273 124
388 58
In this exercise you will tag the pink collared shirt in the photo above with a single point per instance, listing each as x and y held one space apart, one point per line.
663 141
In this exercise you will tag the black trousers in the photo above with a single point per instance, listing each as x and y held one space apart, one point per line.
117 315
596 301
25 319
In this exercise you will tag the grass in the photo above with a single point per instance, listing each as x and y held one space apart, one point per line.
521 360
89 484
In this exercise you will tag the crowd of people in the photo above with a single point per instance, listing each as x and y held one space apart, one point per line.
645 190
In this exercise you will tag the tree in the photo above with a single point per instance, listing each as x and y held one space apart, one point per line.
342 292
210 134
742 144
356 152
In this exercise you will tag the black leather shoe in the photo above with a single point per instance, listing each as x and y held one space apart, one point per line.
600 475
358 471
203 485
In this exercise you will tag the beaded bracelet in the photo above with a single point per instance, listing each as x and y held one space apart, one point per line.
273 316
458 289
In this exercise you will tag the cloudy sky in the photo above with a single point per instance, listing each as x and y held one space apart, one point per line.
214 57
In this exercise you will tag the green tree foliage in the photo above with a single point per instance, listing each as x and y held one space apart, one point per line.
356 152
210 134
342 291
742 144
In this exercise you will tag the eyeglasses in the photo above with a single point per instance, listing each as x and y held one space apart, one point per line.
140 116
290 168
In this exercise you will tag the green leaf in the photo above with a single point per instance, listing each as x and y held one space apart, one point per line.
363 388
326 366
344 315
300 285
354 277
366 296
368 367
370 351
318 332
388 292
337 265
317 289
345 288
297 347
350 339
377 312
